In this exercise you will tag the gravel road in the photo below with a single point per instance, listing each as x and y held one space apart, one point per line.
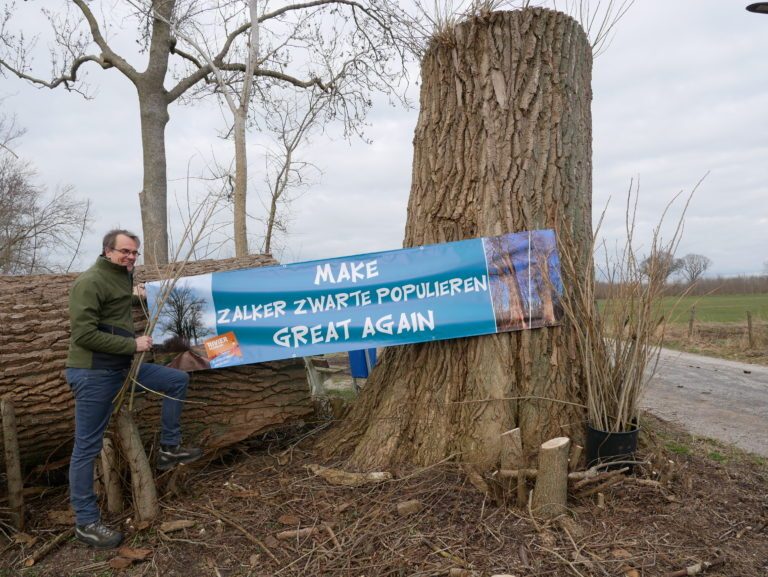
716 398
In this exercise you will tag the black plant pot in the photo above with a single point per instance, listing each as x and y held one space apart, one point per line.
607 447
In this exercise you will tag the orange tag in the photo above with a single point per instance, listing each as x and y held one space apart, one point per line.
223 345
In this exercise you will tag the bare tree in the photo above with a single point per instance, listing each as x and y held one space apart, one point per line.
182 315
693 266
37 230
9 132
291 124
660 263
508 302
285 121
238 100
310 45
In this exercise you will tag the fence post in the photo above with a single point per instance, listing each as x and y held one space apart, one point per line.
690 321
749 330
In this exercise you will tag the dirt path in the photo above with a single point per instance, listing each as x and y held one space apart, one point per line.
724 400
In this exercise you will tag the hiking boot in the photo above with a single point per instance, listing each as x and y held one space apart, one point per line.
169 456
98 535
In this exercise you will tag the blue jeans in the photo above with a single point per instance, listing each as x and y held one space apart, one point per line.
95 391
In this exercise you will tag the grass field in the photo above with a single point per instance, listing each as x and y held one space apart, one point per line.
720 326
716 309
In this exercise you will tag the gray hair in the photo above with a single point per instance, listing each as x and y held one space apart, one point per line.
110 239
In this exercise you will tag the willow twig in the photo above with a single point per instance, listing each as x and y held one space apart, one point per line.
48 547
244 531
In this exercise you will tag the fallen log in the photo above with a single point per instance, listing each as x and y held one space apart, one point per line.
226 405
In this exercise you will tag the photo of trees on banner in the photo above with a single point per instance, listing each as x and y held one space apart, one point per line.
444 291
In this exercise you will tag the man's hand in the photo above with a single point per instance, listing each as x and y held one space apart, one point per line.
143 344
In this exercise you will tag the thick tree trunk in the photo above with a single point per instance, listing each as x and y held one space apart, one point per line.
237 402
154 196
153 109
502 144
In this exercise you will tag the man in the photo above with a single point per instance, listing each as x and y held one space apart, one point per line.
101 348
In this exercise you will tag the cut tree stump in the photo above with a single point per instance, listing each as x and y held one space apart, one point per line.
512 458
575 457
512 450
551 491
502 143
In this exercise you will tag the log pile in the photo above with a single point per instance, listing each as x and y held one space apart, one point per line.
34 336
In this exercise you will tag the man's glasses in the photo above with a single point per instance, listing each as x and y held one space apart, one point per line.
127 251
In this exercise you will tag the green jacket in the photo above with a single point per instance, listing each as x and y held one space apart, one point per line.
101 319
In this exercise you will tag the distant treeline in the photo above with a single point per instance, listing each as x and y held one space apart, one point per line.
738 285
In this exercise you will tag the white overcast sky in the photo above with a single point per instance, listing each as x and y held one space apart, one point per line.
682 91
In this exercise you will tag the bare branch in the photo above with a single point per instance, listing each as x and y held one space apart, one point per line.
218 60
238 67
66 79
187 56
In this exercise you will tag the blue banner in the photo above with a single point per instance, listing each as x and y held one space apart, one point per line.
445 291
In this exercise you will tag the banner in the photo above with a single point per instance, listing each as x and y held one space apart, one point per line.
429 293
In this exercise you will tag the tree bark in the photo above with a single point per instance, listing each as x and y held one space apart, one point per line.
551 492
153 198
111 476
143 486
237 402
241 184
512 450
15 482
153 110
502 144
